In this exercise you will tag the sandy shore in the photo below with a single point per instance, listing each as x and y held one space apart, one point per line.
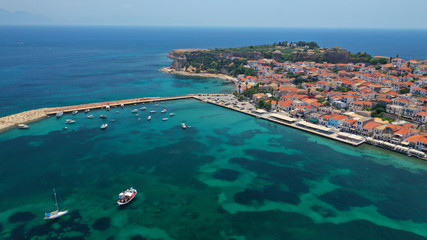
209 75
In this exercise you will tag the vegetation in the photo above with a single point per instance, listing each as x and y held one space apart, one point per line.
404 91
210 64
264 105
378 110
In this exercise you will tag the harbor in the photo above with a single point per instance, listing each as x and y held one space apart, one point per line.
222 100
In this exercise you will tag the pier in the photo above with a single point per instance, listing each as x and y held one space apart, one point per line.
14 120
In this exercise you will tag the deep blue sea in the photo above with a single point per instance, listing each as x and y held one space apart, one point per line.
229 176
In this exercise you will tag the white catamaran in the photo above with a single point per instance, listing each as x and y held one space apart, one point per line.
56 213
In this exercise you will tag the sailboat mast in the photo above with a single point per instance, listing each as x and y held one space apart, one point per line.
56 202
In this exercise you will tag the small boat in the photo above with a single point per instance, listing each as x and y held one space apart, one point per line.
126 196
56 213
107 108
122 105
165 119
143 108
104 126
137 115
152 111
65 128
112 120
117 112
90 116
149 117
157 105
59 114
135 110
75 112
87 110
139 119
23 126
183 126
70 121
164 111
103 116
172 114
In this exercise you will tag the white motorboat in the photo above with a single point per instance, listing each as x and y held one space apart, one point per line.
122 105
183 126
143 108
107 108
56 213
135 110
127 196
172 114
164 110
103 116
87 110
90 116
104 126
75 112
152 111
165 119
149 117
157 105
137 115
59 114
23 126
70 121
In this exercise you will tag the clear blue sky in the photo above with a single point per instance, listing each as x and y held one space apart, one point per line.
248 13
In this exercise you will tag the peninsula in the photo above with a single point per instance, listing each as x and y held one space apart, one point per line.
381 99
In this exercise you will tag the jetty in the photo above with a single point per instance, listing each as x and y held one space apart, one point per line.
14 120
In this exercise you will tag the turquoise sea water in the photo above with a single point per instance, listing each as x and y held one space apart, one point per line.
229 176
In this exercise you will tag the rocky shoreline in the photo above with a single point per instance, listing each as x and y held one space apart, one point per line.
209 75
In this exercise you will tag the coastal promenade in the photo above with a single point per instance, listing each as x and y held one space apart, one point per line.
333 136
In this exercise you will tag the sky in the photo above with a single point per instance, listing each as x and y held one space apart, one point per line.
231 13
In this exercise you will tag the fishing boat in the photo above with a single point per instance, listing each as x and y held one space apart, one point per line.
75 112
56 213
103 116
104 126
172 114
90 116
152 111
126 196
59 114
23 126
143 108
135 110
149 117
164 110
165 119
70 121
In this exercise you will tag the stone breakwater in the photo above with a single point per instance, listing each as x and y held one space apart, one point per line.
23 117
14 120
209 75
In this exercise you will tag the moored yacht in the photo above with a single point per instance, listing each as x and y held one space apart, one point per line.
70 121
56 213
104 126
149 117
103 116
183 126
90 116
23 126
135 110
164 110
107 108
165 119
75 112
152 111
172 114
127 196
87 110
59 114
143 108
